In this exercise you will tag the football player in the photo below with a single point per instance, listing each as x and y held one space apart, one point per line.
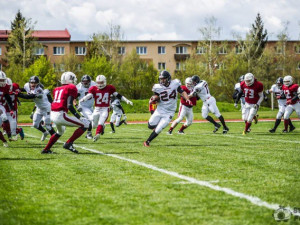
86 108
185 109
253 91
42 106
101 93
237 88
281 99
209 103
165 93
62 103
117 114
292 100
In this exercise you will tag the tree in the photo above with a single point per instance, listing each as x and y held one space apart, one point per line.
21 43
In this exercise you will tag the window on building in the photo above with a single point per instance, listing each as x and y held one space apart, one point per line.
0 51
200 50
161 66
238 49
297 49
58 50
180 66
80 50
161 50
181 50
39 51
141 50
121 50
223 50
278 50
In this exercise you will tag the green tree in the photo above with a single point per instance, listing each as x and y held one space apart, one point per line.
44 70
21 43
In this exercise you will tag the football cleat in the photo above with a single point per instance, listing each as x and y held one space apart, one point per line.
292 128
96 138
112 132
45 134
22 135
13 138
181 132
169 132
256 119
146 144
46 151
225 130
5 144
70 147
89 135
285 131
272 130
245 132
216 128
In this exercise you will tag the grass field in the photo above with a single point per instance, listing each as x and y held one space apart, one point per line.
180 179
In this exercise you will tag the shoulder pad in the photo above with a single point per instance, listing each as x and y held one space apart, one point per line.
156 87
177 81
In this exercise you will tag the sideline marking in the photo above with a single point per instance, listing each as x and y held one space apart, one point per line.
254 200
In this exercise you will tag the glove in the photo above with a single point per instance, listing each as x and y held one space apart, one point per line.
124 117
267 92
31 116
289 101
256 106
12 113
129 102
235 105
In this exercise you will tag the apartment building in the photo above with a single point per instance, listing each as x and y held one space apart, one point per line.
168 55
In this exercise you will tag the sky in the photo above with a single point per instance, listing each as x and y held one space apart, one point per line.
155 19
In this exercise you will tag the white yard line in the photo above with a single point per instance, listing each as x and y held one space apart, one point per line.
254 200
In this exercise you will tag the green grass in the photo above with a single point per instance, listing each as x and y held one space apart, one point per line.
90 188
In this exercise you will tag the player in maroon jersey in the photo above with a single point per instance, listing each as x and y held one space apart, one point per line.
63 98
185 109
292 100
101 93
253 91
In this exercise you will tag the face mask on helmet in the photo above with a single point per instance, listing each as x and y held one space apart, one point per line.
33 82
279 82
86 81
288 80
189 83
101 81
249 79
164 78
2 79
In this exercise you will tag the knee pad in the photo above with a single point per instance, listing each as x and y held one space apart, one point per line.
151 126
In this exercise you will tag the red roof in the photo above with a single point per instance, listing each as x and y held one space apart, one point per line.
43 35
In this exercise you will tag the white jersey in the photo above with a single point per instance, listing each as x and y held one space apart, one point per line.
41 103
278 92
115 107
83 91
237 87
168 96
202 90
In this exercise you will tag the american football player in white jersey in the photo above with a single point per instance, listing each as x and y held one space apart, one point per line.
86 108
42 104
165 93
117 114
237 88
281 99
209 103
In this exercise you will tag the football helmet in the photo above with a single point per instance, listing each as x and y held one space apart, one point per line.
196 79
33 81
86 81
241 78
288 80
189 83
279 81
68 78
249 79
164 78
101 81
9 83
2 79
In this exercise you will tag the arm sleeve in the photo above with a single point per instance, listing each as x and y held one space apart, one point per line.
235 94
22 90
239 95
49 97
30 96
9 101
71 107
180 90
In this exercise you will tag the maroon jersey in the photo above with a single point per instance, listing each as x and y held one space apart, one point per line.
102 96
3 91
290 92
60 95
14 91
192 99
251 92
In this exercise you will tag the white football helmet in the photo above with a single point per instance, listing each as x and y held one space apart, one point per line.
189 83
288 80
2 79
10 84
101 81
68 78
249 79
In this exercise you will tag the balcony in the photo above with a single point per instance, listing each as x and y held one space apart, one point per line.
181 57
